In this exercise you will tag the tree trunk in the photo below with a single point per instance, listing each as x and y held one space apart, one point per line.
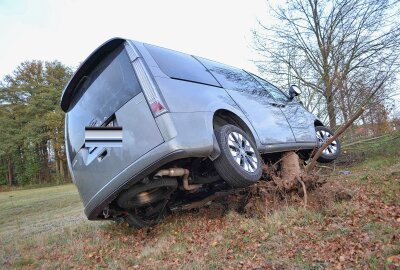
290 172
62 169
45 162
331 110
57 163
10 172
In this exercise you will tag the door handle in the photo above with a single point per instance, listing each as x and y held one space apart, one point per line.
277 105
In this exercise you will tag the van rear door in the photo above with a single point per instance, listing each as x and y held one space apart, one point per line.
108 95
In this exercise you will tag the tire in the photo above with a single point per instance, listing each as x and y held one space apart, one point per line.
333 151
146 203
138 221
157 190
239 163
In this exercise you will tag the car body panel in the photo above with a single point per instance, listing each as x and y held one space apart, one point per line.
269 121
300 121
136 142
298 118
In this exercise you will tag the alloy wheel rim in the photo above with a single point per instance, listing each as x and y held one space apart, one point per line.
323 136
242 151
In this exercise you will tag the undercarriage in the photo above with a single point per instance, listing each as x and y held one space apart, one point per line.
180 185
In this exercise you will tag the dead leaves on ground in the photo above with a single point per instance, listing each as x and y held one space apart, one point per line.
361 233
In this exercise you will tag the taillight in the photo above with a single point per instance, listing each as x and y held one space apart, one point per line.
157 107
149 88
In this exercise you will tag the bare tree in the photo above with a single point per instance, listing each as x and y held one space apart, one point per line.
333 48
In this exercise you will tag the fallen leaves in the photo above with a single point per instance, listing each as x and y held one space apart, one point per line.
394 260
362 233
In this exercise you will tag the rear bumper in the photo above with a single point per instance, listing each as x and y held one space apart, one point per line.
185 135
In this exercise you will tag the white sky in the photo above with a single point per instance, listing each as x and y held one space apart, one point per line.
69 30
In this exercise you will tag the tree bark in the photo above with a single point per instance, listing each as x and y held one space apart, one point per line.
331 110
57 163
45 162
290 172
10 172
62 168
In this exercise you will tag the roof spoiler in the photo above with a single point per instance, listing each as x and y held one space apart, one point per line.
90 62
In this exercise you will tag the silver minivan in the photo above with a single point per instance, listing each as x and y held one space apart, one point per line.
190 127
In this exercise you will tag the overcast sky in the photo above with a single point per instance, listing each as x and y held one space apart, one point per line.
69 30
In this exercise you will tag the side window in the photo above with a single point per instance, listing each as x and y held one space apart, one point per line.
230 77
181 66
272 90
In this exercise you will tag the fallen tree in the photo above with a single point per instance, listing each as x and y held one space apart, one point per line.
290 176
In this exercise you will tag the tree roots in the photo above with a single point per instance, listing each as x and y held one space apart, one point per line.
282 180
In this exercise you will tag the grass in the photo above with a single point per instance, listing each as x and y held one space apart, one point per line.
33 211
46 228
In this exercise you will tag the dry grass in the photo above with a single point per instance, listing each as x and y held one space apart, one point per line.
46 228
30 212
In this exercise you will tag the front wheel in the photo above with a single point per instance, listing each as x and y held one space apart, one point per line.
239 163
333 150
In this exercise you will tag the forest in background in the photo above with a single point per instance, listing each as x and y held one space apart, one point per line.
32 125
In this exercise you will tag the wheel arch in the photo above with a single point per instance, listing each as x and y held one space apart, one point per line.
318 123
223 116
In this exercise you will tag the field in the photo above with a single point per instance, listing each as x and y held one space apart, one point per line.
46 228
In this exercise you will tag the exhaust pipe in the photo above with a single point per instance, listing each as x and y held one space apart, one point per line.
174 172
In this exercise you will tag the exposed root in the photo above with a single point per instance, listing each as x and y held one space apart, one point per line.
304 191
289 182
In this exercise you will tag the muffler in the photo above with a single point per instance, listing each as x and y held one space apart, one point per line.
178 172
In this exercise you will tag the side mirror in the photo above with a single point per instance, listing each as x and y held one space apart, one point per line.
294 91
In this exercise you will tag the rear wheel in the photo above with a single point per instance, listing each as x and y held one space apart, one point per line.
333 150
146 216
239 163
146 203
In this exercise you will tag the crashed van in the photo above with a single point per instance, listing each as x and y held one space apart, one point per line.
190 127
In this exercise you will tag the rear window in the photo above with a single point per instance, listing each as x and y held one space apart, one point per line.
181 66
110 85
106 89
230 77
